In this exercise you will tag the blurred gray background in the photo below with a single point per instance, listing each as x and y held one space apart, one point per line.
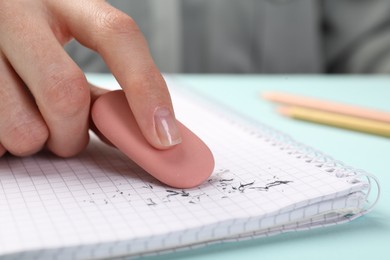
258 36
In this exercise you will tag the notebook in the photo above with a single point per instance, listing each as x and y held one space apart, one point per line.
100 204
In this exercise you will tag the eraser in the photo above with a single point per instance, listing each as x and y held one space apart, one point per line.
185 165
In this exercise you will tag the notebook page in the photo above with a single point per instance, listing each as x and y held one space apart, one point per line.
101 204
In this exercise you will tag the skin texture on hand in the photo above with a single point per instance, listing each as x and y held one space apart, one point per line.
45 98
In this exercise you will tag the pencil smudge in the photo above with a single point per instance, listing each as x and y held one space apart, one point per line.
271 184
151 202
242 187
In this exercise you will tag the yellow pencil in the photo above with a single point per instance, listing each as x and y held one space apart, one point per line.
337 120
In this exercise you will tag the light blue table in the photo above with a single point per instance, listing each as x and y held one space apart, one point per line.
364 238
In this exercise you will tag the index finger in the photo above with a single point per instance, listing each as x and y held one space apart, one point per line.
117 38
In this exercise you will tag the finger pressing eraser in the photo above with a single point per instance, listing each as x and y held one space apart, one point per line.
185 165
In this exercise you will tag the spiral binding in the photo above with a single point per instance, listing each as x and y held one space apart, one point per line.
313 156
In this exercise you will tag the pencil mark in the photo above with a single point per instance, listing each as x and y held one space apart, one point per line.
276 183
151 202
148 186
174 193
228 185
197 198
242 187
271 184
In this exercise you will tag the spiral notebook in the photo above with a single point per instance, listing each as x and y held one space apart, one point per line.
100 204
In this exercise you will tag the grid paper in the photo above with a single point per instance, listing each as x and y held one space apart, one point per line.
100 204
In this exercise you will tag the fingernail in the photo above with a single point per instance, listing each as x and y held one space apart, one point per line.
166 127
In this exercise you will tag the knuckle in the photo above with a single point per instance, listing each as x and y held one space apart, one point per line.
66 95
116 22
26 137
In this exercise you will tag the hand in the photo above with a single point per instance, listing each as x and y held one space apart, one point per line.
45 98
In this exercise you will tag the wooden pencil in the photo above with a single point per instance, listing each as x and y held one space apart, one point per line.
337 120
327 106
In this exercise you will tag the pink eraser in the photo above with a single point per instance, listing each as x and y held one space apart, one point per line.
185 165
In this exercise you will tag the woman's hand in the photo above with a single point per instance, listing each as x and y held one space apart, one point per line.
45 97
